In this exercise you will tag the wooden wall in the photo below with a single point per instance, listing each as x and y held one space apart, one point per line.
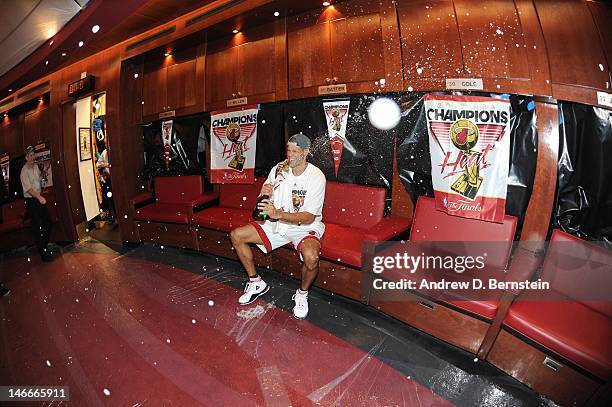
560 49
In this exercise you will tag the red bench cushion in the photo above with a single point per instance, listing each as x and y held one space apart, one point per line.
178 190
567 328
432 225
240 196
352 205
224 219
164 212
573 320
342 244
579 270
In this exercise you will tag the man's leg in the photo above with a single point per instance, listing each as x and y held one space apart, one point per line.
46 227
309 248
36 225
242 237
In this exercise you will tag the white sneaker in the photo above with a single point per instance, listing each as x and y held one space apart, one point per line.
252 291
301 305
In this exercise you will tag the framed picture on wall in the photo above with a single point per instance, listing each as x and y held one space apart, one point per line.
85 143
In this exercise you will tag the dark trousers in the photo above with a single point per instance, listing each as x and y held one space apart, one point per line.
41 224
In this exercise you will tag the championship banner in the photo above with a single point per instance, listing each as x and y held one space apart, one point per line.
42 158
336 114
233 142
5 165
469 143
166 138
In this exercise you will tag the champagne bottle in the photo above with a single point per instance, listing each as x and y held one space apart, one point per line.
260 214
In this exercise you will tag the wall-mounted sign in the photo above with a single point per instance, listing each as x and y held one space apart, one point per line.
165 115
81 86
464 84
604 99
237 102
332 89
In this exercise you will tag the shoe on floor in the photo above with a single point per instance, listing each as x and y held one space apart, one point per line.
4 291
252 291
301 305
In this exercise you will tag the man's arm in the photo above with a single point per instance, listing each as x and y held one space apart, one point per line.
298 218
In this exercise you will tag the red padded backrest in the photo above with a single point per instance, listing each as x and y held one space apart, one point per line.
579 270
15 210
353 205
240 196
178 189
432 225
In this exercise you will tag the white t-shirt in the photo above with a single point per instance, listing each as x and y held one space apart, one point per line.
303 193
30 179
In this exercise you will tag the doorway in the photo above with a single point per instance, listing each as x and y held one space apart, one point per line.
88 169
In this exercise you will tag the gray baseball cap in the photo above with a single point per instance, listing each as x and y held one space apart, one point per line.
299 140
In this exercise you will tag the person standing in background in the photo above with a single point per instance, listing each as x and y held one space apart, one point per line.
36 205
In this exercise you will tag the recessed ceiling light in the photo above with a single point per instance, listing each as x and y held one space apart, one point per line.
95 28
326 3
51 42
135 75
10 90
235 31
81 44
46 62
276 14
63 54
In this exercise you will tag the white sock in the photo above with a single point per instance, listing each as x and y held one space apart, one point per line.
300 292
255 279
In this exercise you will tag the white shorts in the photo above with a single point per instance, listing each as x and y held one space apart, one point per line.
295 235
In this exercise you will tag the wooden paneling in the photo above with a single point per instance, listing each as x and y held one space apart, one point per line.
255 70
539 210
492 39
525 363
221 74
154 91
430 40
35 126
11 134
573 43
539 70
349 36
181 86
243 66
357 49
449 325
602 14
309 54
71 163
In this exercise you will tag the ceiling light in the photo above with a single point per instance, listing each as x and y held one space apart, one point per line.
135 75
81 44
95 28
276 14
326 3
46 62
10 90
235 31
63 54
167 54
51 42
